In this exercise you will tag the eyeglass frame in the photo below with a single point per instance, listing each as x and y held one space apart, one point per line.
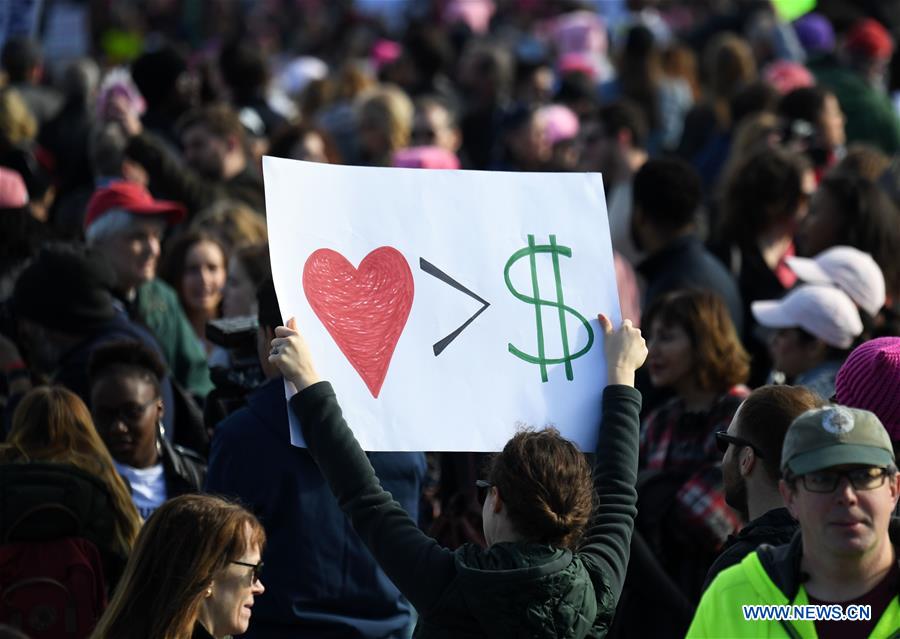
257 568
842 474
723 436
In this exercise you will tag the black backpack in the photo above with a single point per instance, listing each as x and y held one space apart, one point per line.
52 510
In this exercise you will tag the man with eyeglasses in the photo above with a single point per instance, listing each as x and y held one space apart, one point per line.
751 468
840 482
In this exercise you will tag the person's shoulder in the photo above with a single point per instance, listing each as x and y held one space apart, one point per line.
157 288
189 455
743 575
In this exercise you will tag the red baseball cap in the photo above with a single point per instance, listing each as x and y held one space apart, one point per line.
870 39
131 197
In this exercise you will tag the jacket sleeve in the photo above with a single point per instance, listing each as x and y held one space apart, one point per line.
607 542
169 176
419 567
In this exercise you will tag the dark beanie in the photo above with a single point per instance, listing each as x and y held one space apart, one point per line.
66 289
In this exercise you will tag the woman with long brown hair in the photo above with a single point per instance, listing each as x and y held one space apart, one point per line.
52 424
194 573
694 352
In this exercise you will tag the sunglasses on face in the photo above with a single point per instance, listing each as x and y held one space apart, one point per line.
724 440
483 487
257 568
825 481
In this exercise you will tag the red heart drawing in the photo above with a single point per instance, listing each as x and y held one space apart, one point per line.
363 309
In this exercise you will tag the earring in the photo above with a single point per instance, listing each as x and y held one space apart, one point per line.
161 432
209 592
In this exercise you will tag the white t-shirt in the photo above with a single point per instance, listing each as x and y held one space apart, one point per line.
148 486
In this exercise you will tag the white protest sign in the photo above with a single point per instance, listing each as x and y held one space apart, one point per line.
447 308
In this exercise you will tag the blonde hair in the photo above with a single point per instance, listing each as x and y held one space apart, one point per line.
52 424
234 222
392 108
185 543
17 124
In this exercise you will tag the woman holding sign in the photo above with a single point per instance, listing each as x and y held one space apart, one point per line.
546 572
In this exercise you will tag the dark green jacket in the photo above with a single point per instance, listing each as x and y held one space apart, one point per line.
870 115
510 589
158 308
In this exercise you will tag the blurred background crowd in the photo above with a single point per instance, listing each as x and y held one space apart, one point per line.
749 158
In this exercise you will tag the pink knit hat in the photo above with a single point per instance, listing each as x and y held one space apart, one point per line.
425 157
869 379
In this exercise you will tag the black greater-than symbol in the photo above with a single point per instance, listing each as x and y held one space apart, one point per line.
434 271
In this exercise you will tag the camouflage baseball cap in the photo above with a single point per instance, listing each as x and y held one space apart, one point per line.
835 435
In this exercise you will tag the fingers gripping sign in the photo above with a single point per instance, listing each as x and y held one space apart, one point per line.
292 357
625 351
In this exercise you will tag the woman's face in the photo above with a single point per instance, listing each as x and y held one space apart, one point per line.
126 409
821 228
227 609
239 294
831 123
670 360
203 279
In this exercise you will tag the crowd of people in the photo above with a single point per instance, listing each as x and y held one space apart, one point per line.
752 180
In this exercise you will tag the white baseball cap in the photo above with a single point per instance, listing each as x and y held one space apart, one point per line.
851 270
822 311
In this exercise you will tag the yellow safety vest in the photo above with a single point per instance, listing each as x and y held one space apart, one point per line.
720 614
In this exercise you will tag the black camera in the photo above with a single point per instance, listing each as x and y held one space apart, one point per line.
241 374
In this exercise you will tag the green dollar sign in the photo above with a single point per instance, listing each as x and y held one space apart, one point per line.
542 360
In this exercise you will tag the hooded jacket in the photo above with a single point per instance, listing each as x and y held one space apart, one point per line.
507 590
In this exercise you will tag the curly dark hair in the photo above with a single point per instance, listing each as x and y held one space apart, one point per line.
720 360
668 192
545 483
129 358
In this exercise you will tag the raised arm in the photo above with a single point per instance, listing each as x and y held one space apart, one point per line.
608 539
419 567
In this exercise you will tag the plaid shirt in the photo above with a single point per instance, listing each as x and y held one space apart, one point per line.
674 440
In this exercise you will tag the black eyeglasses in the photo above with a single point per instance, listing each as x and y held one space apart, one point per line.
724 440
257 568
825 481
483 487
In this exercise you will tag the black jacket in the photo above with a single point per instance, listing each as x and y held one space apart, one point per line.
775 527
183 469
685 263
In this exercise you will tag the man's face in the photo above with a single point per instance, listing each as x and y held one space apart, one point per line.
204 152
134 254
846 522
735 485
